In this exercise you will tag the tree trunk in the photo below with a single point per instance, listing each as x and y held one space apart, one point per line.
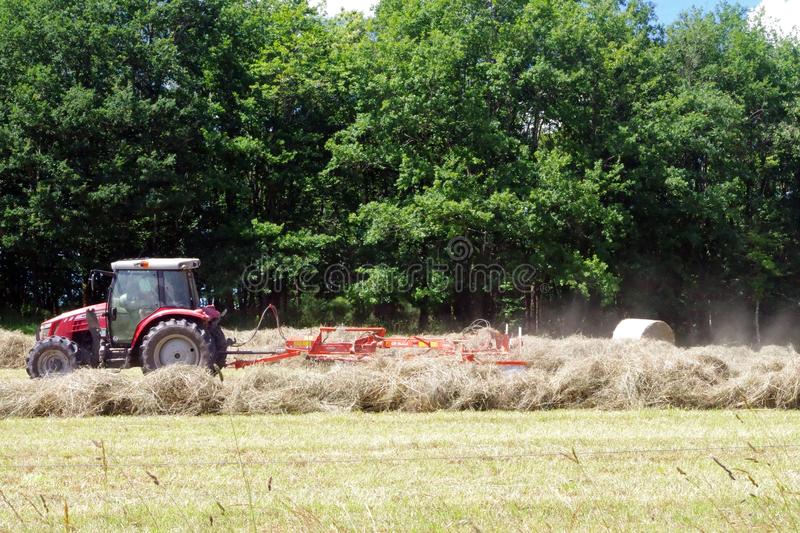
757 321
424 318
528 301
710 322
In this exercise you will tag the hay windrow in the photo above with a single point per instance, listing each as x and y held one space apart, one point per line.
575 372
175 390
14 346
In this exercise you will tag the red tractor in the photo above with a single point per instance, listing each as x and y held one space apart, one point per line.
152 318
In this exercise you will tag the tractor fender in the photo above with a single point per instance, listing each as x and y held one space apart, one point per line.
196 315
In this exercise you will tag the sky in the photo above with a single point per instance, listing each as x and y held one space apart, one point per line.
783 14
668 10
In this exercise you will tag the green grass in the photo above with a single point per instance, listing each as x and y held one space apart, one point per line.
447 470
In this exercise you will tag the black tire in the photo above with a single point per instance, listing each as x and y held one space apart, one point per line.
52 356
177 341
85 357
220 346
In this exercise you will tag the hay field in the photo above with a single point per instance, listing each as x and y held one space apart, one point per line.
469 471
563 373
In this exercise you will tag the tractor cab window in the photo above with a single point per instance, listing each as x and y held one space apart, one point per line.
134 296
177 290
193 289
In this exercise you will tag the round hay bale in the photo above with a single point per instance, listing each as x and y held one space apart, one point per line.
639 328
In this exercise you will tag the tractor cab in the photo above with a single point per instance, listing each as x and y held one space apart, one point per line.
141 287
151 318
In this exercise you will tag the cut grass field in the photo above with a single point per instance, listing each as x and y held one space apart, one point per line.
646 469
461 464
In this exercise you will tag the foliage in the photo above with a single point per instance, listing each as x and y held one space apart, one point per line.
602 157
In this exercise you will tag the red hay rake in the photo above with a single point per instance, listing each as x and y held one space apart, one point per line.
493 348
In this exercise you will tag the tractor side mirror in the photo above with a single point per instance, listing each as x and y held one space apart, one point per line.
95 276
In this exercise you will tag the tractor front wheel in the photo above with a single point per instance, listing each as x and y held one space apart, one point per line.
52 356
177 341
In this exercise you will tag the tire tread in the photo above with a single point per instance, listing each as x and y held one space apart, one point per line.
69 348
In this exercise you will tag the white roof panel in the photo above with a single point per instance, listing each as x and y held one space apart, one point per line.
179 263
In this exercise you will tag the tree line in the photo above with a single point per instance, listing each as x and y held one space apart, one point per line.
607 165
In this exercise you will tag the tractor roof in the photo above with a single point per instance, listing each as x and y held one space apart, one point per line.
179 263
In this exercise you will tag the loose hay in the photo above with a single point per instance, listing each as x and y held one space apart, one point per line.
575 372
14 345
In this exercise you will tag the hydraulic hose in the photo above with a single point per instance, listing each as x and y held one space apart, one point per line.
274 310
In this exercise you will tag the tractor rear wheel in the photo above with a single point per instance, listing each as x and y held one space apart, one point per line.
52 356
177 341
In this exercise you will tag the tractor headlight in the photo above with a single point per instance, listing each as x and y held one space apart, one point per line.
44 331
